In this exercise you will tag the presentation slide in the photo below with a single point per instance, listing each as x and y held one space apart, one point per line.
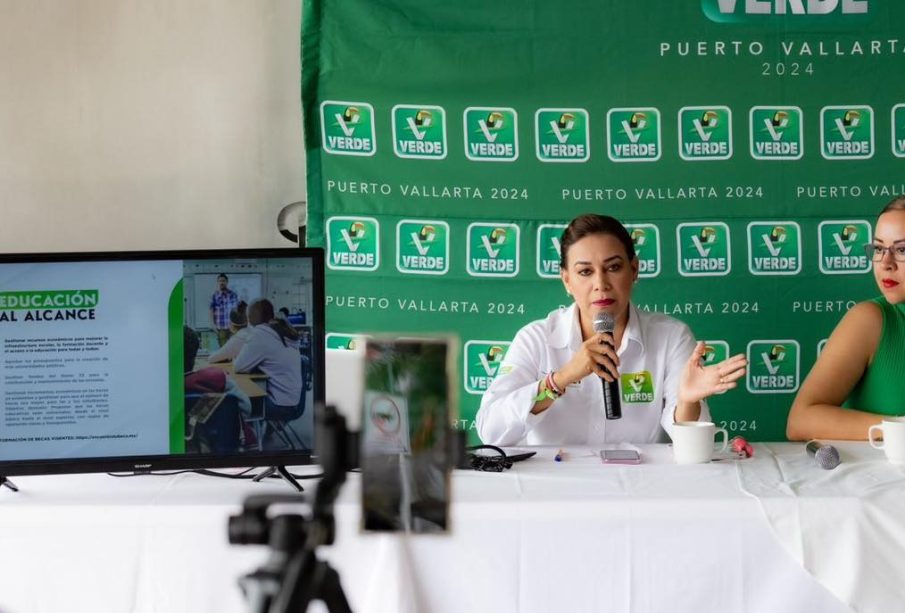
86 358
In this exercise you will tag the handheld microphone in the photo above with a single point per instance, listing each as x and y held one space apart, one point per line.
827 456
604 322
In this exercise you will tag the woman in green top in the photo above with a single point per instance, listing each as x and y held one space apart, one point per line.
860 375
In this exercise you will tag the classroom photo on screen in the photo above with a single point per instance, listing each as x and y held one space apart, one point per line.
248 361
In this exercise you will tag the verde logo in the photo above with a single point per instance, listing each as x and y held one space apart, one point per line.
773 366
840 246
637 387
348 128
715 352
352 243
562 135
419 131
703 249
633 135
491 134
493 250
344 341
847 132
777 133
705 133
422 247
646 240
548 250
898 130
774 248
798 12
482 363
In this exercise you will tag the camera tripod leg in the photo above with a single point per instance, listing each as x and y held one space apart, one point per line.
307 578
331 591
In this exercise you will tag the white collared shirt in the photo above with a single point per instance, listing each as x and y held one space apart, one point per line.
652 355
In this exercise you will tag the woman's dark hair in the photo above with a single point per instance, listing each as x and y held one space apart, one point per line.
588 224
897 204
237 318
261 311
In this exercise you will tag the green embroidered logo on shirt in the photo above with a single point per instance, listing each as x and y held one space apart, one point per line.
637 387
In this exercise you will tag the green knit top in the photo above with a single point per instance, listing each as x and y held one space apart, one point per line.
881 388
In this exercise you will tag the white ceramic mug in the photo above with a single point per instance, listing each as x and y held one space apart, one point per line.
893 445
692 441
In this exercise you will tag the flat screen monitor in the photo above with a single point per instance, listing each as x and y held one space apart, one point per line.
159 360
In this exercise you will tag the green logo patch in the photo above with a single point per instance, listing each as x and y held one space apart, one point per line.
703 249
774 248
548 250
646 240
794 13
633 134
347 128
344 341
898 130
422 247
562 135
353 243
777 133
637 387
847 132
491 134
715 352
773 366
840 246
493 250
482 364
419 131
705 133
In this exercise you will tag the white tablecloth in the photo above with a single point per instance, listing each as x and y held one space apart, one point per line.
571 536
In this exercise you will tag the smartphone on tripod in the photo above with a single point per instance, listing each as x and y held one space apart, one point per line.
406 434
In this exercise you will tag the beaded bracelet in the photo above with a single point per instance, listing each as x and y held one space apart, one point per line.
551 383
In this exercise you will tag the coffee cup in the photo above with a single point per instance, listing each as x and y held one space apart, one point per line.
893 444
693 441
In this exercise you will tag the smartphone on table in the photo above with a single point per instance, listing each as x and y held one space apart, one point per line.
620 456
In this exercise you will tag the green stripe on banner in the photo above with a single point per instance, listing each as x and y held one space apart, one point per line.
175 318
749 152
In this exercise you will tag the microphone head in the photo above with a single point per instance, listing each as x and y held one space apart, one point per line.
604 322
827 457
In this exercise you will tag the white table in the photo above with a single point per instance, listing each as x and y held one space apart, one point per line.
545 536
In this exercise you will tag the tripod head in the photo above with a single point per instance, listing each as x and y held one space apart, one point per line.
293 576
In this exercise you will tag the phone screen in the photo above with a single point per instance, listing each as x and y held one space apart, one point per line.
404 435
620 456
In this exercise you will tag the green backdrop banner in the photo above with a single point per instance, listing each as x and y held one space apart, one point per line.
747 144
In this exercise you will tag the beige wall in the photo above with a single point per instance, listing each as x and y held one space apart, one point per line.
148 124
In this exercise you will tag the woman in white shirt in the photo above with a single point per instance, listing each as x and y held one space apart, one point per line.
548 388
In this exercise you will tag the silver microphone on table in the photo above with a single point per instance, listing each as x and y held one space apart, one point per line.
826 456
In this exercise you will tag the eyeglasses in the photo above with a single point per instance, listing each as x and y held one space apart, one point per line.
878 252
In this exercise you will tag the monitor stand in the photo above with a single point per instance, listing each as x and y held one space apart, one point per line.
284 474
6 482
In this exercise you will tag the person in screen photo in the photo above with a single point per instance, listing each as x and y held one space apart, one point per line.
272 348
238 328
221 430
548 390
223 300
860 376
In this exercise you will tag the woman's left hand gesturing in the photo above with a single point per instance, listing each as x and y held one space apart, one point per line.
699 381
